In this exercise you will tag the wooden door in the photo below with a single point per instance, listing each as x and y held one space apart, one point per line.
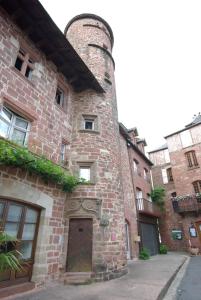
79 256
20 221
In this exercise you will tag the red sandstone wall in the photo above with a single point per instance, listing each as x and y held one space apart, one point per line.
129 196
102 147
34 99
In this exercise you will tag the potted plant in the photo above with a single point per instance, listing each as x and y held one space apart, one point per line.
9 256
193 250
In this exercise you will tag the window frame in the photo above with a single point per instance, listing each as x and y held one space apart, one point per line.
191 159
89 118
197 186
92 166
12 125
27 62
169 174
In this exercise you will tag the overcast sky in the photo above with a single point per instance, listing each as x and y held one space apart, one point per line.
157 50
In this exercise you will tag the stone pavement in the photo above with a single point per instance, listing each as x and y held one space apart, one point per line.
146 280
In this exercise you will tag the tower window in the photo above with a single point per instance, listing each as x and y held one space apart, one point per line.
85 173
89 124
59 97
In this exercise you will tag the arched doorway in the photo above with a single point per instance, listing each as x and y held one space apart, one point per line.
21 221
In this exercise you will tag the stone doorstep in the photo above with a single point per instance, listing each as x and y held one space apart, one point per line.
77 278
9 292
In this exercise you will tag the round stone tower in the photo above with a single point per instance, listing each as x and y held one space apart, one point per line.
95 155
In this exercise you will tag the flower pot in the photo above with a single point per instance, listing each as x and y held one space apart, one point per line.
194 251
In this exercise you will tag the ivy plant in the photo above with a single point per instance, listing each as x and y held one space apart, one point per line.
157 196
20 157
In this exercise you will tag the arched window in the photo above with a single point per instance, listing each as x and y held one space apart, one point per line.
197 186
191 159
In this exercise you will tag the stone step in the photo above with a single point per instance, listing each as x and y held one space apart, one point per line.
16 290
77 278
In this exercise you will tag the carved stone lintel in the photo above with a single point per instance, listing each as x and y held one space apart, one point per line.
82 206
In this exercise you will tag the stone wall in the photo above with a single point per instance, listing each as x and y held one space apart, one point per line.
34 99
17 185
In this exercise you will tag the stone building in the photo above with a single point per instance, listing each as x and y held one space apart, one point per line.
136 168
57 98
177 169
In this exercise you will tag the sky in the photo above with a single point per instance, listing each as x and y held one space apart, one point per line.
157 52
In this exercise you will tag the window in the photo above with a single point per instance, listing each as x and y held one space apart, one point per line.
197 186
146 174
191 159
169 174
20 221
89 123
136 167
164 176
24 64
138 193
59 97
85 173
13 127
63 152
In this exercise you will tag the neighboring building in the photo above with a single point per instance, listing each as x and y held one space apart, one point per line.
177 169
137 187
58 99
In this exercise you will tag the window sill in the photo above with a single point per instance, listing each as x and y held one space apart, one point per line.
193 168
89 131
87 183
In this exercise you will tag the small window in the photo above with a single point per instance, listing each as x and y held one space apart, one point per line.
13 126
89 124
146 174
24 64
169 174
135 165
197 186
59 97
139 193
191 159
85 173
63 152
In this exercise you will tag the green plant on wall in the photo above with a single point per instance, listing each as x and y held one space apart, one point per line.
20 157
157 196
9 257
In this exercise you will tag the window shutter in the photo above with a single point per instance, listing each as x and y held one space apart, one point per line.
164 176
